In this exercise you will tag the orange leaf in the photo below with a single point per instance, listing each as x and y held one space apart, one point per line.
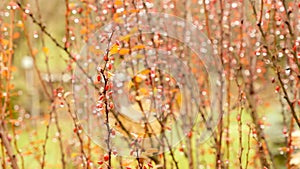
27 153
13 68
34 52
16 35
83 31
4 42
118 2
134 10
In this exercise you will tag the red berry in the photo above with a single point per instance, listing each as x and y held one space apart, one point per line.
295 48
111 105
101 97
106 157
100 105
106 87
113 132
79 10
150 165
100 162
277 88
190 134
105 58
238 117
9 137
99 78
284 131
109 66
111 85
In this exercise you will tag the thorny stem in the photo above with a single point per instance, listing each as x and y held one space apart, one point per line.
34 61
287 98
44 47
43 163
248 149
3 130
106 102
69 54
60 140
77 129
218 162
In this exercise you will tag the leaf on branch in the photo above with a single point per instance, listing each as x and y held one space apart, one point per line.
114 49
118 2
138 47
124 51
45 50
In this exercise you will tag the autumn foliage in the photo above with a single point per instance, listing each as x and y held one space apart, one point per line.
104 84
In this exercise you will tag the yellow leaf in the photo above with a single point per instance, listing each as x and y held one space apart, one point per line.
72 5
178 99
130 84
137 47
139 56
20 24
124 51
110 74
146 71
134 30
74 155
114 49
45 50
138 79
125 38
143 91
